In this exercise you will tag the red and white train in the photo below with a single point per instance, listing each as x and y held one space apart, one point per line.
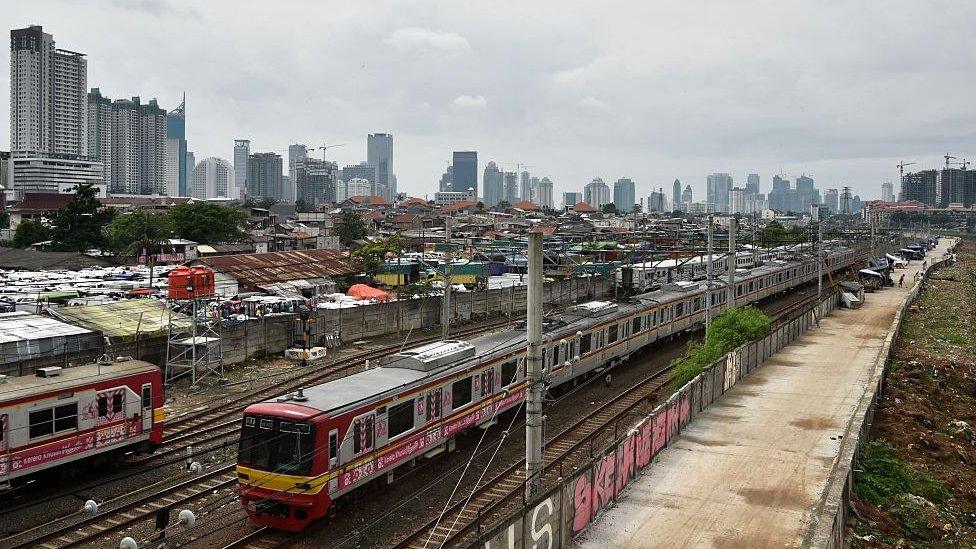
300 452
62 416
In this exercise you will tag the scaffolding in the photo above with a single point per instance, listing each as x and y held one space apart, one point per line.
194 348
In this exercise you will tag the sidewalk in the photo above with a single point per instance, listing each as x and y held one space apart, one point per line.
749 471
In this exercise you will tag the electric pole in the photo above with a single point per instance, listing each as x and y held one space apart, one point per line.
533 370
819 254
732 261
708 277
446 305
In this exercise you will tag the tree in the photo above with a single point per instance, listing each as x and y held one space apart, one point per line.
302 206
139 231
731 329
480 206
351 228
206 222
30 232
80 225
610 208
636 209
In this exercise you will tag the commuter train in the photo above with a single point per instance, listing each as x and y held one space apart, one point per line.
300 452
59 418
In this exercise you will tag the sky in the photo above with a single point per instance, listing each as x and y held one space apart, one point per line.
653 91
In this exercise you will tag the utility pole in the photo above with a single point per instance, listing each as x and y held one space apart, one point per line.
819 255
732 261
446 304
708 277
533 370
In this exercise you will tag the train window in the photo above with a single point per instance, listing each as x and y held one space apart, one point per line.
269 449
612 333
435 402
333 448
636 327
41 423
654 317
401 418
103 406
461 393
679 310
509 373
146 397
117 403
66 417
585 343
363 430
487 382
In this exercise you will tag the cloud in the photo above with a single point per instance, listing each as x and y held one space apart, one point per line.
592 103
413 38
470 102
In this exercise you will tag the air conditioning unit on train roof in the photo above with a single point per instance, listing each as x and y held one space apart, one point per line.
681 286
593 308
431 356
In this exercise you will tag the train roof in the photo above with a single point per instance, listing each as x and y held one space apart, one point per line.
12 388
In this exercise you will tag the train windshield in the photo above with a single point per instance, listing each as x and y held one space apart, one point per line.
277 445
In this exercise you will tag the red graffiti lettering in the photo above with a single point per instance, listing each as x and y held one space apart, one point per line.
684 411
673 419
644 437
625 462
660 431
582 508
603 481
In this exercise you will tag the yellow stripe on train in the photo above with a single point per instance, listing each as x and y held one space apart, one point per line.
279 482
159 414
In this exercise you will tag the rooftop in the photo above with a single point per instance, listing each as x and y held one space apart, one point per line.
255 270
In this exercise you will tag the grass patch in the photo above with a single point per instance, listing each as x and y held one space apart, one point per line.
883 476
950 338
732 328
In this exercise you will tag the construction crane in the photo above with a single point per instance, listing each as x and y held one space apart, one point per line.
325 147
947 159
901 171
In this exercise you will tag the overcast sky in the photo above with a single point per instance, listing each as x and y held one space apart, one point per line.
648 90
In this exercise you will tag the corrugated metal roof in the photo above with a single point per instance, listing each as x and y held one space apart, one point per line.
22 326
121 319
254 270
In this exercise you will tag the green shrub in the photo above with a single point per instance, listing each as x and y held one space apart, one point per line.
729 330
882 475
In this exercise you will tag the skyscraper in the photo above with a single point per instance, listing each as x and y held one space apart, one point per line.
596 193
316 180
379 154
176 172
128 137
296 153
832 200
542 193
465 171
625 194
571 199
676 196
780 195
717 191
525 186
264 175
752 184
493 185
687 197
242 152
213 178
48 101
510 191
887 192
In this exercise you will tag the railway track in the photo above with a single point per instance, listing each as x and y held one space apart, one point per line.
262 538
112 518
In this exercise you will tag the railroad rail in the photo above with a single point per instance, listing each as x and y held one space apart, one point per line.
465 515
89 529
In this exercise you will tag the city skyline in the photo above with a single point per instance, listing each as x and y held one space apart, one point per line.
246 100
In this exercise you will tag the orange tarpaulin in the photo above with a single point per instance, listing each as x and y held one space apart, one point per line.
362 291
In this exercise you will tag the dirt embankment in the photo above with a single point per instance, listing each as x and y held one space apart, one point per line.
915 482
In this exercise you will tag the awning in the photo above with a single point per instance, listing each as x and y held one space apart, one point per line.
869 272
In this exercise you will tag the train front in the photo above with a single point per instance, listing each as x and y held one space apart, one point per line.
282 465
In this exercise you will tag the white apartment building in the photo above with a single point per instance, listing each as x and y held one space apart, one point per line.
213 178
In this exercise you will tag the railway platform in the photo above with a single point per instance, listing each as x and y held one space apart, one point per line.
751 471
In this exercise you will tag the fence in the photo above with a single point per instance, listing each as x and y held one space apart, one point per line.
569 507
830 515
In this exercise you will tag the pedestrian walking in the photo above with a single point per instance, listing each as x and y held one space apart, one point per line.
901 281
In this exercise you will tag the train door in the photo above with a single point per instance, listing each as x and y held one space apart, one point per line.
333 458
147 409
435 404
